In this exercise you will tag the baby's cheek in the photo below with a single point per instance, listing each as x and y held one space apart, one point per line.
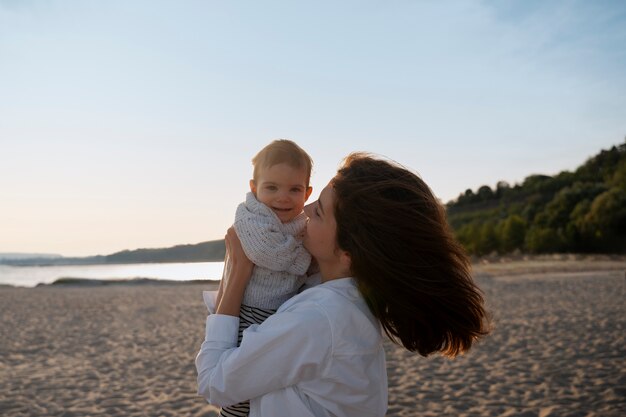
299 207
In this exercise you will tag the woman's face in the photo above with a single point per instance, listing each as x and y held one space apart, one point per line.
320 238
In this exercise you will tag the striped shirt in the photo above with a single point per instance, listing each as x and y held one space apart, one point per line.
247 316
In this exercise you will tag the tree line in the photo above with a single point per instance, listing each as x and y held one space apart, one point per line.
582 211
211 251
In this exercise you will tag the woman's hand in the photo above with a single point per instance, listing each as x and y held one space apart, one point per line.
237 256
238 270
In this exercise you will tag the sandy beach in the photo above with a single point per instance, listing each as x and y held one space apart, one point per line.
558 348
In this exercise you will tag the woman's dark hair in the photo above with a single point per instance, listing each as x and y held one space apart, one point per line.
410 269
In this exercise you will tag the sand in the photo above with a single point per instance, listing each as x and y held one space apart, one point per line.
558 349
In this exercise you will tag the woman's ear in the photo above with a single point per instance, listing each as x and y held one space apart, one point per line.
345 261
309 190
253 186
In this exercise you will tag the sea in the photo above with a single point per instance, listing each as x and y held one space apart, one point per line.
31 276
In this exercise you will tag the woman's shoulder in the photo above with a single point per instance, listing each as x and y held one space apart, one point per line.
344 310
328 294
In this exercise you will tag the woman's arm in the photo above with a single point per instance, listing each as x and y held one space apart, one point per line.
220 289
232 289
289 347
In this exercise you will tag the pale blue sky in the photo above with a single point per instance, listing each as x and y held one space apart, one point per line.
127 124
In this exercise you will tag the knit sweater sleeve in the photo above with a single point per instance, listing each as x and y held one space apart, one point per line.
269 243
268 247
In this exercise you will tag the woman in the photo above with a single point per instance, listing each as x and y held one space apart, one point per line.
386 258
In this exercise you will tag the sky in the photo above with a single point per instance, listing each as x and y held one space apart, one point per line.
131 124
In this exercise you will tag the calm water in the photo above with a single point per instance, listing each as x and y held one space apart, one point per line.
29 276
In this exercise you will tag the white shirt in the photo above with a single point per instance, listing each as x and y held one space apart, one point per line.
320 354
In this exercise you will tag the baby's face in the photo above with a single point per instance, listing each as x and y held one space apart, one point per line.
283 189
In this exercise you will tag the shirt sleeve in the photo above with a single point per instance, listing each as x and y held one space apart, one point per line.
289 347
210 299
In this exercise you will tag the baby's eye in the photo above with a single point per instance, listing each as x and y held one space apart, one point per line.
296 190
271 187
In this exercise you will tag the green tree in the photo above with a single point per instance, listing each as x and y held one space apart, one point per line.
487 239
468 236
619 177
541 240
502 188
605 223
582 211
557 212
513 233
485 193
575 229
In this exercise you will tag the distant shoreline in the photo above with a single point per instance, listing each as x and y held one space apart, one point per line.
94 282
37 263
493 266
210 251
95 275
522 264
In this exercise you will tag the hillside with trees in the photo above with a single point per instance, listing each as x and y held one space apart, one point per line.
577 212
582 211
211 251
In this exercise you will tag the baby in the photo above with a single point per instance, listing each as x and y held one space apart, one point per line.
269 225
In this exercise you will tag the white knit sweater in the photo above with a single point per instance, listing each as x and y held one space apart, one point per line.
276 249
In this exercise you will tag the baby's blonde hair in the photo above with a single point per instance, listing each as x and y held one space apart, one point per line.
282 151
